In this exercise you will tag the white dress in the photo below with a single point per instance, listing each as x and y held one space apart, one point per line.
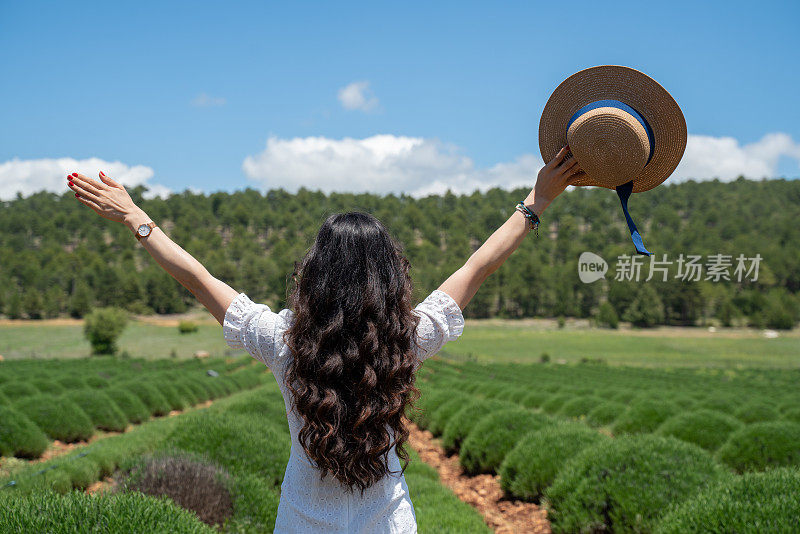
308 505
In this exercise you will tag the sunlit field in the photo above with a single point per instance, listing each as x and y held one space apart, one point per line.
484 340
509 341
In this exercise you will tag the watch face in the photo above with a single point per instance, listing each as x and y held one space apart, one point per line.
143 230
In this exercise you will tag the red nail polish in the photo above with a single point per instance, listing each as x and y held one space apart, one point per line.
77 195
75 174
71 184
101 173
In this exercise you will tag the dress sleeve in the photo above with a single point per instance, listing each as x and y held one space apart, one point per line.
441 320
254 328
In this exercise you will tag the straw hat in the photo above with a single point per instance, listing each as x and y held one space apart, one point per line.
620 124
625 131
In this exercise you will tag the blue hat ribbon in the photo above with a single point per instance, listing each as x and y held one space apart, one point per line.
624 191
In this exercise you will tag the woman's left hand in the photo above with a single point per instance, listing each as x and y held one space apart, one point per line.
107 198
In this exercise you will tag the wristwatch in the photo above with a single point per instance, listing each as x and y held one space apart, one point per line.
144 230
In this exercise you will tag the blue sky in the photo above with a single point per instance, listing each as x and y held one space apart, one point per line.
189 91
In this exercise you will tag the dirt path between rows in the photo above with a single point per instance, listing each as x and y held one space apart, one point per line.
482 492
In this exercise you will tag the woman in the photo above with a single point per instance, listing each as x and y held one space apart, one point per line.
345 354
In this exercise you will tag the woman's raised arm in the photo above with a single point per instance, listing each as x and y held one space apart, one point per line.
110 200
553 178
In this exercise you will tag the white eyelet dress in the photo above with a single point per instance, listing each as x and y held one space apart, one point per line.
308 505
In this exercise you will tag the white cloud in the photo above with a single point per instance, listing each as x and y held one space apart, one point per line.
381 164
358 95
708 157
419 166
50 174
204 100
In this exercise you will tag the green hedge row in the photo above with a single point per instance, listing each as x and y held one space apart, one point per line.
71 415
668 444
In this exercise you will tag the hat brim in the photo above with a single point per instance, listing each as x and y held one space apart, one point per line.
637 90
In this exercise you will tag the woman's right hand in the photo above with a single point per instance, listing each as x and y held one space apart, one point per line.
553 179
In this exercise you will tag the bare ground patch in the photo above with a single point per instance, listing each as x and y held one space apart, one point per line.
482 492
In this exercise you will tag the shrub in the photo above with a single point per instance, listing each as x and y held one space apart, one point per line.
644 416
192 484
82 472
429 401
96 382
45 385
605 413
187 327
623 396
626 484
462 421
185 393
132 406
216 387
533 463
754 502
762 445
513 394
16 390
151 397
705 428
719 403
104 414
59 418
198 387
535 399
555 402
72 382
607 315
792 414
579 406
102 327
19 436
494 435
491 390
239 443
78 512
756 412
256 502
442 415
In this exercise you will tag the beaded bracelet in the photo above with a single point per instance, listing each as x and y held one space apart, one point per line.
532 217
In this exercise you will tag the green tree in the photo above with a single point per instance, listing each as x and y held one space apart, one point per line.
727 312
32 303
646 310
607 315
14 305
102 327
80 302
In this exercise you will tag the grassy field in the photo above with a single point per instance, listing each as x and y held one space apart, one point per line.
492 340
42 339
509 341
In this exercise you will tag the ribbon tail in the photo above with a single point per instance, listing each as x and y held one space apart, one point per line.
624 192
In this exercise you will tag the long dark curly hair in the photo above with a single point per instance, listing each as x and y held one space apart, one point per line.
352 372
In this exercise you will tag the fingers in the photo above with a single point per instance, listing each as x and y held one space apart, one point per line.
569 166
82 190
108 181
89 203
558 158
87 183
